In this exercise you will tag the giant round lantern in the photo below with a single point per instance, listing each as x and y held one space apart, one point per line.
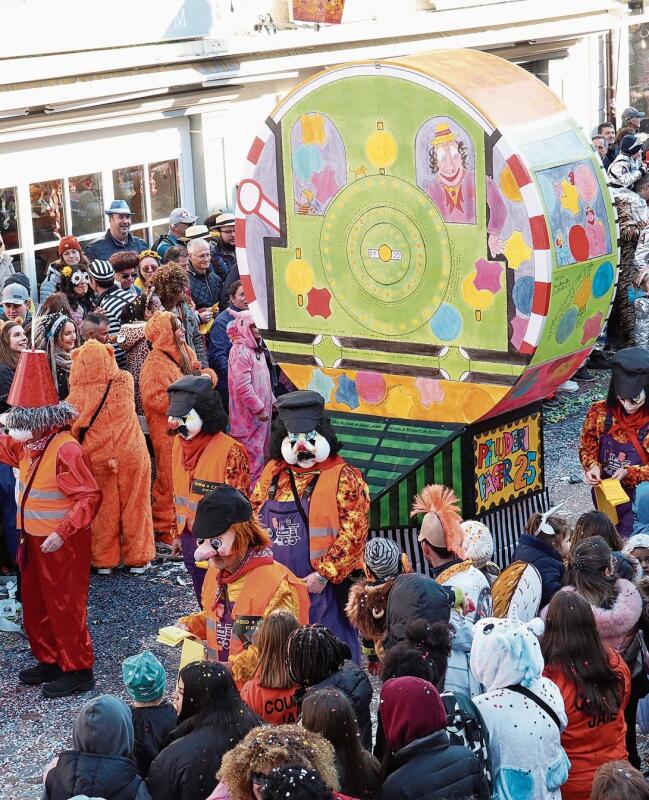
427 238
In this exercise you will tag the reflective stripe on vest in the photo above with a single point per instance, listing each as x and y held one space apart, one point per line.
210 467
46 506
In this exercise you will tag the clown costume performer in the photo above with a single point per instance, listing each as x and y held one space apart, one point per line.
315 507
615 435
58 499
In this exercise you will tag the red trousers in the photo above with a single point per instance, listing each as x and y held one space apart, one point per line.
55 599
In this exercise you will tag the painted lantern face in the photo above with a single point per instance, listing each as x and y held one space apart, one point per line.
415 244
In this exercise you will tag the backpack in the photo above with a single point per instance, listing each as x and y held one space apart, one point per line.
466 727
164 237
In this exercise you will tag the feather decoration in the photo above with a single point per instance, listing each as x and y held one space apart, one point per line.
440 500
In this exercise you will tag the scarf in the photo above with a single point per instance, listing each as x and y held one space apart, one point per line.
192 449
629 425
255 557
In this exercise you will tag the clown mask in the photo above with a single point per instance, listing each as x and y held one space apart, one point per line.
188 426
305 449
219 548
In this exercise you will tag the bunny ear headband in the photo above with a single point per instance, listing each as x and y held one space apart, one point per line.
544 525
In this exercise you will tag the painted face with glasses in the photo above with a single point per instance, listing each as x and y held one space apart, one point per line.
80 281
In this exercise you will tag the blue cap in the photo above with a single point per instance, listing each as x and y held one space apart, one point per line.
119 207
144 677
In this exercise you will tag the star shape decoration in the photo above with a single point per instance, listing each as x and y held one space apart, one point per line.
592 327
516 250
399 404
519 326
346 393
583 293
318 303
430 391
569 197
322 383
488 275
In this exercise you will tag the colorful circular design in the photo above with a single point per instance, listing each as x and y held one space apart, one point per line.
603 279
446 324
371 387
566 325
578 243
523 294
396 256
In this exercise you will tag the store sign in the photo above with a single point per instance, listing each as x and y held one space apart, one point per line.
508 462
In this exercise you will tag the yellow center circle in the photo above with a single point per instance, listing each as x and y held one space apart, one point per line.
385 252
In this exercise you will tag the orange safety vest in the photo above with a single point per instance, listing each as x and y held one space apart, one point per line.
259 588
190 487
46 506
324 521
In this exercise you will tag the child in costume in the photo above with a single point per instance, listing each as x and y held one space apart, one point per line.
523 711
58 499
153 717
203 456
244 583
170 358
315 507
108 430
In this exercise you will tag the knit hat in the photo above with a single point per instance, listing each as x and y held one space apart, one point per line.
506 652
144 677
637 540
69 243
19 278
382 557
440 526
478 542
101 271
410 709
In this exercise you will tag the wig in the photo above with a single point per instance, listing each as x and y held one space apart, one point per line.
210 410
249 534
441 501
170 281
43 418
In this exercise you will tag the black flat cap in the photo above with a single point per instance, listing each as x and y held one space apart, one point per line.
630 372
184 393
219 509
300 411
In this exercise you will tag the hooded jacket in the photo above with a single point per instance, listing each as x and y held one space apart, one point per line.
100 764
546 559
413 596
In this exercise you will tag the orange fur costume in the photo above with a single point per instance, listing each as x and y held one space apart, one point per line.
122 531
161 368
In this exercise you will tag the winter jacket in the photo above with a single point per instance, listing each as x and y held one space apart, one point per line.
432 768
100 764
107 246
220 344
51 281
624 171
637 205
6 377
415 596
546 559
186 768
205 289
459 678
616 625
224 263
353 681
152 725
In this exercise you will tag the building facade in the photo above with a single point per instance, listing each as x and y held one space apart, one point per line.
159 108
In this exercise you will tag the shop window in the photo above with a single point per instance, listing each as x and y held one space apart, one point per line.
163 186
639 69
42 258
86 204
48 219
128 184
9 219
